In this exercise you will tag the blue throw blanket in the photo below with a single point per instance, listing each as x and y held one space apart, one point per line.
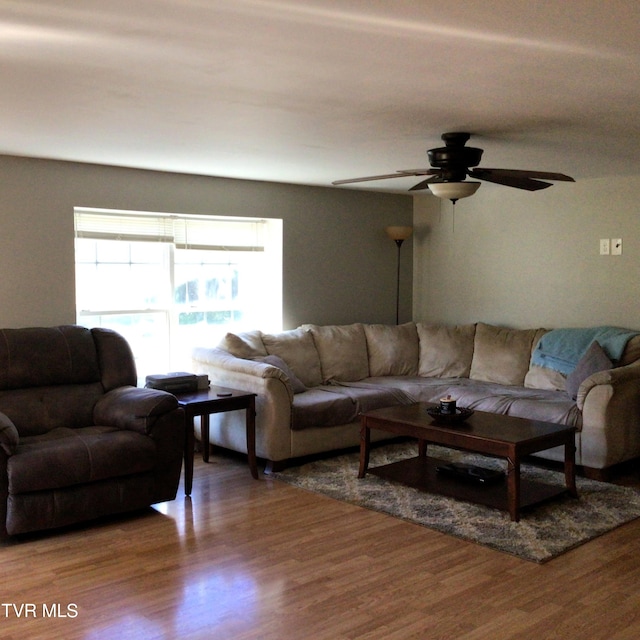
561 349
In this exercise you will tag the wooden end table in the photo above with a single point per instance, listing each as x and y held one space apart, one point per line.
484 433
203 403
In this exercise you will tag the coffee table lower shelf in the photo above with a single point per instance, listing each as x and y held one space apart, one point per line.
420 473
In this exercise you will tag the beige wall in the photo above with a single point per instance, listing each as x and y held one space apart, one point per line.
530 259
339 266
505 256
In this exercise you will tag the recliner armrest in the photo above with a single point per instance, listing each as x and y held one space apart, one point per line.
9 436
133 408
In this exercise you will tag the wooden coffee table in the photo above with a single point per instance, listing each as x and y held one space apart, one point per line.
485 433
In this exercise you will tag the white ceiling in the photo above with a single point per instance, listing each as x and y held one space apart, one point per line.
310 91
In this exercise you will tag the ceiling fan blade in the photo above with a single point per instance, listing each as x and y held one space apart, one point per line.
419 172
367 178
402 173
425 183
519 182
520 173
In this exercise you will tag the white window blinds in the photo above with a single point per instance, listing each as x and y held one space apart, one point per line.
184 231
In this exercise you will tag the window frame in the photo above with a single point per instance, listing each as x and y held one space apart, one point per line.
178 233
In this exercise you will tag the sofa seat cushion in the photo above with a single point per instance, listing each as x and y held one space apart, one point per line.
332 405
534 404
65 457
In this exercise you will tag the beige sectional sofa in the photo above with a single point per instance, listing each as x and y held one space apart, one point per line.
312 383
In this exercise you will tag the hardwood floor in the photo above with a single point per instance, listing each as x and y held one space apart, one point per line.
247 559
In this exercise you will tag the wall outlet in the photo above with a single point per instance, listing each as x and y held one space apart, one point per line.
605 247
616 246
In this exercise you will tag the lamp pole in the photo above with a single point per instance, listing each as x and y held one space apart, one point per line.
398 235
399 242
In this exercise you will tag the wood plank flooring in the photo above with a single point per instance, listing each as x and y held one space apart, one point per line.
247 559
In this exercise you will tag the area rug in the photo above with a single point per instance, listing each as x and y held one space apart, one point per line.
544 532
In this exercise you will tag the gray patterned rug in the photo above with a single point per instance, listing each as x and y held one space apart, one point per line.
543 532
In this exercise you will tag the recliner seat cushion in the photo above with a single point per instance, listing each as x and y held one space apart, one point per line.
64 457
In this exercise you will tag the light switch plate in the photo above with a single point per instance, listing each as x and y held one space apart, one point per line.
605 247
616 246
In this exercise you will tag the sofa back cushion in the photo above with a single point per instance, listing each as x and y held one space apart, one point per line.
631 352
502 355
539 377
393 349
247 345
544 378
445 351
297 348
342 350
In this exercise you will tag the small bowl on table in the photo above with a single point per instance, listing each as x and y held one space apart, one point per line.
460 415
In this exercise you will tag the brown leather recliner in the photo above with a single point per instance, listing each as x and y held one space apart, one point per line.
78 439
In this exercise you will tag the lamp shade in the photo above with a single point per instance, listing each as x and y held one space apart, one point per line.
454 190
399 233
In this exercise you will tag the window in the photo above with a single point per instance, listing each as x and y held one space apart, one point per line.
170 282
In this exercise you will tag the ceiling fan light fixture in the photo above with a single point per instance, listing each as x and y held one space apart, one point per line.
454 190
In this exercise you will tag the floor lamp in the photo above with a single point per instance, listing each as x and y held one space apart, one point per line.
398 235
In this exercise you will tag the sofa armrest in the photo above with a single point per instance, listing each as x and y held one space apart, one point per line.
610 405
617 376
133 408
223 365
274 398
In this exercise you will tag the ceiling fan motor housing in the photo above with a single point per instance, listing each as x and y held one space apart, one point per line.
455 158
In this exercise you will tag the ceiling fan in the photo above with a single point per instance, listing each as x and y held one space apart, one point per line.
452 163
